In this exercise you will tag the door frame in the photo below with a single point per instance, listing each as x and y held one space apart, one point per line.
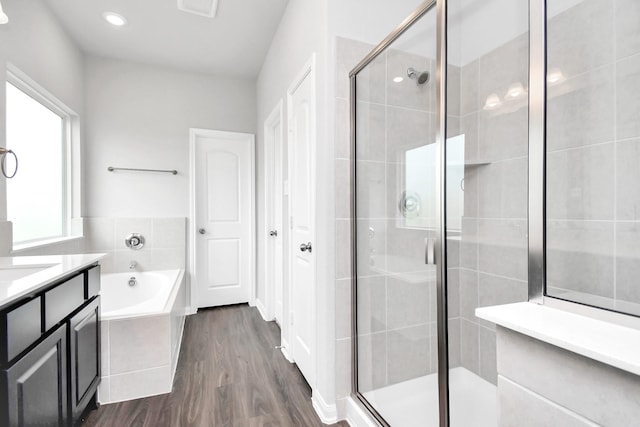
192 227
273 151
308 70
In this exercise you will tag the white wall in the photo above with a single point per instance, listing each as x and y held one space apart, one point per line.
302 31
47 55
34 42
139 116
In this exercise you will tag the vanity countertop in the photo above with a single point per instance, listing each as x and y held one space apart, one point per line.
25 275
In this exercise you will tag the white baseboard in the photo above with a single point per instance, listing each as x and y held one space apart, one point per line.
328 413
357 416
284 346
262 309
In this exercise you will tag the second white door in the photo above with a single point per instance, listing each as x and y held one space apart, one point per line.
223 224
302 110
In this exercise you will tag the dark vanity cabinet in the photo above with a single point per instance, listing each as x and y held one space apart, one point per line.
50 353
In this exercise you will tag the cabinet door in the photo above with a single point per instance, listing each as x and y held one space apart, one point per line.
37 384
84 328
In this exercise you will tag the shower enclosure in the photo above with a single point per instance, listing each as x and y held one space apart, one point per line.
440 210
459 120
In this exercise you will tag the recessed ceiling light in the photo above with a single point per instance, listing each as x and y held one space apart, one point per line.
398 79
114 19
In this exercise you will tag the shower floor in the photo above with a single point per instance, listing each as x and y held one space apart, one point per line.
415 402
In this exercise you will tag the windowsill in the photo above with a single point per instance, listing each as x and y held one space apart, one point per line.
600 340
43 243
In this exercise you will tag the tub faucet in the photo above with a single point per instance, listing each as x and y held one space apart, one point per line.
132 265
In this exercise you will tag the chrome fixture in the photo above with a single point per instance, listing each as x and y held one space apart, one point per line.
134 241
305 247
421 77
202 231
112 169
132 281
132 265
5 151
409 204
273 233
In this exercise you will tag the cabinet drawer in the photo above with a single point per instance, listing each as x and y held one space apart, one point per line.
24 327
63 299
93 282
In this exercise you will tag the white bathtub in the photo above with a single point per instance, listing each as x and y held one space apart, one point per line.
150 294
141 329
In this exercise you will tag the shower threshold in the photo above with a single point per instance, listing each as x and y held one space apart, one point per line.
473 401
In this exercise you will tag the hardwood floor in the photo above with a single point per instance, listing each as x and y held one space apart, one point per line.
229 374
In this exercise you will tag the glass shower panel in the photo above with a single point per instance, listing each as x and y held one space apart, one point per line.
486 189
593 153
395 217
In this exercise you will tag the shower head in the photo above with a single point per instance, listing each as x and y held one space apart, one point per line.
421 77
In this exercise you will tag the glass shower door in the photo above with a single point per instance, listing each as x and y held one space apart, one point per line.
486 176
395 224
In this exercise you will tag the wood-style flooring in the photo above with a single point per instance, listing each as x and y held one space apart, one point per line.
229 374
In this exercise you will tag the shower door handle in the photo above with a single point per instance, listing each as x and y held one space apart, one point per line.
430 251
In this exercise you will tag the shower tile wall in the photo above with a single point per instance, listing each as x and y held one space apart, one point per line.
165 243
396 292
492 244
593 151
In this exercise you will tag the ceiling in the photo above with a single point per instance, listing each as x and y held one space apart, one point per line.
233 43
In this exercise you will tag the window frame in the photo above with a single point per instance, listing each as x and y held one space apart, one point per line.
70 157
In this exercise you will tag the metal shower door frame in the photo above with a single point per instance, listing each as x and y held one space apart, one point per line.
536 180
441 244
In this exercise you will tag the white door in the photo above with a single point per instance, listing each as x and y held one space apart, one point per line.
275 233
223 230
302 110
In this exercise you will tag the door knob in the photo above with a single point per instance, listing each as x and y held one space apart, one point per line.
273 233
202 231
305 247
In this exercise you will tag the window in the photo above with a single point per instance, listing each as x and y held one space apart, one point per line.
39 132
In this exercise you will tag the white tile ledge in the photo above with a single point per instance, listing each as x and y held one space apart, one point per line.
606 342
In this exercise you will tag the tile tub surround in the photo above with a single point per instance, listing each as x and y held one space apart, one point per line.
164 249
546 354
140 355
